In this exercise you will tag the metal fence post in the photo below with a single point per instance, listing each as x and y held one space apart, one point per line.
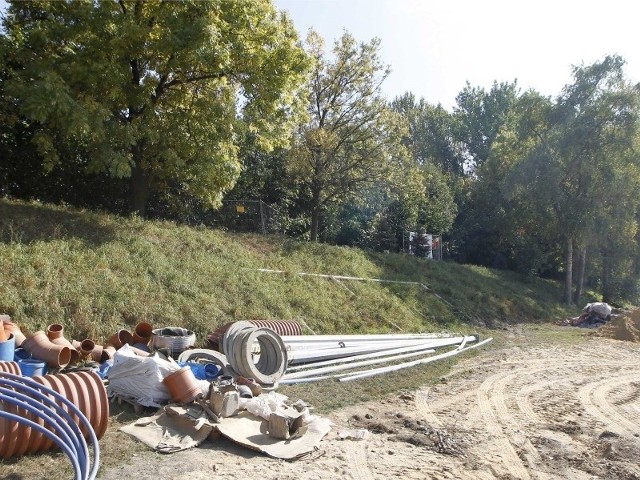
262 221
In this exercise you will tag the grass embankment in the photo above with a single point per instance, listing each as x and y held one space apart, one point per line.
97 273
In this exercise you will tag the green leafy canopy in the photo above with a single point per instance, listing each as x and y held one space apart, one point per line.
161 91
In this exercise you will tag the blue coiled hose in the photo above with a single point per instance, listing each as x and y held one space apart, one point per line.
34 398
65 430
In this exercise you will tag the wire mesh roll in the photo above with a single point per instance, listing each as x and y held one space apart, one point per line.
172 340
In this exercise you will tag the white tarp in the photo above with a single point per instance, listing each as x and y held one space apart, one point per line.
139 379
603 310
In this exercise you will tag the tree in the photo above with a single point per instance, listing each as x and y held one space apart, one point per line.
480 115
158 92
434 134
585 146
352 138
384 237
438 210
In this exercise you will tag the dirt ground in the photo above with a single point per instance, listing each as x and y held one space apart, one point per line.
532 411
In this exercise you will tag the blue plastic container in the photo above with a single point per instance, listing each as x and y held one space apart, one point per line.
211 371
103 371
207 371
7 348
31 367
20 354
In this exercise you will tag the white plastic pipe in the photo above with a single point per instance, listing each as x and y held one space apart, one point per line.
294 381
392 368
305 356
351 366
365 337
365 356
372 345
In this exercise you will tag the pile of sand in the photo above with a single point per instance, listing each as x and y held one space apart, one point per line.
625 326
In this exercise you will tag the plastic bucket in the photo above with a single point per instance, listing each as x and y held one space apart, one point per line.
20 354
7 348
32 368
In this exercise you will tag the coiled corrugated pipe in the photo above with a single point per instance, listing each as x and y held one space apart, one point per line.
19 395
87 392
281 327
84 390
237 344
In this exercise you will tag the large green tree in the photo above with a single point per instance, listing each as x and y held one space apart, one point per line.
352 138
499 225
159 92
582 170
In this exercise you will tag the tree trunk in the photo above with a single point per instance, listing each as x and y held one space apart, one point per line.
606 277
316 207
140 183
315 222
568 285
582 265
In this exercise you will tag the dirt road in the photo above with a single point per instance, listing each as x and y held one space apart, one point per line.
525 412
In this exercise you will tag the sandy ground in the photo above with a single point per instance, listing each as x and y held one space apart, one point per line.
526 412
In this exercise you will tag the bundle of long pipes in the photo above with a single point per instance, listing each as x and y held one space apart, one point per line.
314 358
309 352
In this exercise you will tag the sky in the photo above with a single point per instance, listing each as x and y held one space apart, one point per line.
435 47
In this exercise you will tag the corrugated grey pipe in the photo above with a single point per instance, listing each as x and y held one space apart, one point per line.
238 344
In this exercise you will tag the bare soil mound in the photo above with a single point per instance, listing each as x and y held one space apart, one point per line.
624 327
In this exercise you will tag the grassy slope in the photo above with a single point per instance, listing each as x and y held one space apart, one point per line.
96 273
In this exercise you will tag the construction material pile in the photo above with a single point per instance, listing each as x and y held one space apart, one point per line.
594 315
201 392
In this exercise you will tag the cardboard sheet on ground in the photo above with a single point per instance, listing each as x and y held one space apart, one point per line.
251 431
175 429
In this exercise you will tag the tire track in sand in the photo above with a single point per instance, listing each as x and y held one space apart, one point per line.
504 414
593 397
486 395
427 410
356 454
427 413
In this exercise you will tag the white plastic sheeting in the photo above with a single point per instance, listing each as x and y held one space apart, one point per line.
139 379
